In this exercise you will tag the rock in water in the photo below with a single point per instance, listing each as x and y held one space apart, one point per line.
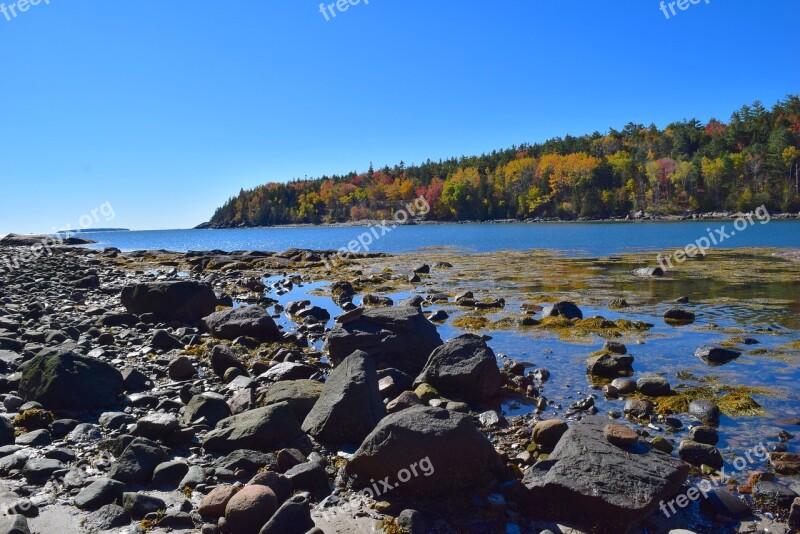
184 301
261 429
400 337
447 451
350 404
593 482
250 321
565 309
463 368
716 355
60 379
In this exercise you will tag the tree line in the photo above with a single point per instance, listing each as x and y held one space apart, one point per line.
753 159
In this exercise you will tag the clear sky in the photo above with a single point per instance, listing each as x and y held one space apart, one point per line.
166 108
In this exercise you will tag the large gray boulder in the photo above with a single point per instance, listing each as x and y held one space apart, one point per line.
301 395
63 380
249 321
184 301
463 368
441 452
350 404
137 462
400 337
262 429
592 482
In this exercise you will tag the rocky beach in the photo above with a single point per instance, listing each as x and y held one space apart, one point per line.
301 391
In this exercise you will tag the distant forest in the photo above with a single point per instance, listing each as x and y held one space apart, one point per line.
750 160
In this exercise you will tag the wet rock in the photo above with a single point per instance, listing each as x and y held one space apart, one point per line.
350 404
716 355
620 435
101 492
548 433
463 368
775 494
654 386
651 272
61 379
724 503
183 301
615 347
139 505
249 510
794 514
564 309
301 395
249 321
705 411
293 517
400 338
210 407
259 429
679 316
450 453
137 462
638 408
785 463
565 485
698 454
704 434
611 365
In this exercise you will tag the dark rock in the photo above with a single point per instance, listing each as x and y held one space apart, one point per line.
109 517
785 463
246 460
679 316
249 321
293 517
400 338
610 365
774 494
135 381
139 505
183 301
724 503
163 340
564 309
222 359
169 474
99 493
301 395
794 514
350 404
180 369
638 408
137 462
698 454
463 368
654 386
655 272
288 371
704 434
37 470
705 411
624 385
633 480
716 355
309 476
259 429
548 433
60 379
157 426
449 453
209 406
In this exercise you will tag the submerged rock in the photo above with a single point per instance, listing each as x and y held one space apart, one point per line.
597 484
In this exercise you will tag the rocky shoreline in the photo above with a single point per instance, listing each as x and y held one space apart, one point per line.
137 398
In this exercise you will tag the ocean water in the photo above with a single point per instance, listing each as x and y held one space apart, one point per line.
581 239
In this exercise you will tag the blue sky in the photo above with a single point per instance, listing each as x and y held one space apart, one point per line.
165 109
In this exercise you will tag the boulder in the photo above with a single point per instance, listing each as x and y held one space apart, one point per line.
214 504
564 309
654 386
249 321
698 454
463 368
548 433
261 429
61 379
611 365
350 404
448 454
293 517
250 509
593 482
716 355
99 493
184 301
137 462
706 411
679 316
785 463
400 337
300 394
211 407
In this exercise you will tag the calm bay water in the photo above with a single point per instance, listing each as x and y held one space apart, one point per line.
585 239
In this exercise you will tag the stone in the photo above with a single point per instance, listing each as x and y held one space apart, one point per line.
698 454
704 434
463 368
109 517
450 454
624 385
139 505
211 407
14 524
774 494
705 411
610 365
633 481
638 408
785 463
724 503
101 492
214 504
250 509
293 517
794 514
620 435
195 476
137 462
716 355
564 309
260 429
163 340
548 433
246 460
350 404
170 474
37 470
61 379
181 369
182 301
301 395
399 337
223 359
286 371
654 386
157 425
309 476
248 321
135 381
679 316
